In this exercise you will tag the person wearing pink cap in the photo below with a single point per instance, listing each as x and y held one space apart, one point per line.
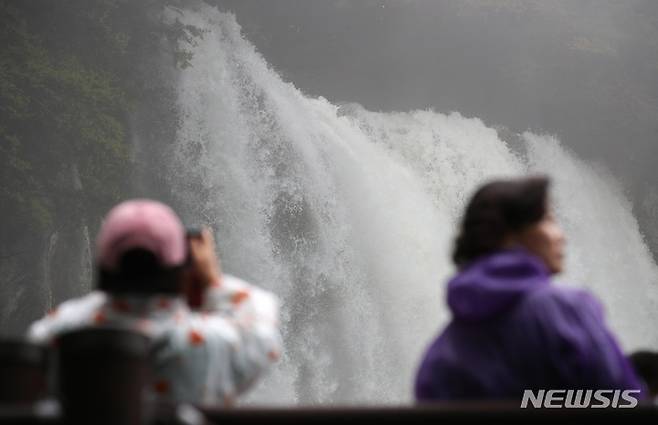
145 265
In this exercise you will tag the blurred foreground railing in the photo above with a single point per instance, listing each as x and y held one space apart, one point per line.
460 413
101 375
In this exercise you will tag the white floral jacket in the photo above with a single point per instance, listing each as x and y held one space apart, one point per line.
205 356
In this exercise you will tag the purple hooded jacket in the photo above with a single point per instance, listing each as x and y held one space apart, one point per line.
513 330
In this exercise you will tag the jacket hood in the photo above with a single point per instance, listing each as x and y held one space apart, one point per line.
493 284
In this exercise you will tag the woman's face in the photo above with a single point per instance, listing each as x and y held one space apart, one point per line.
545 239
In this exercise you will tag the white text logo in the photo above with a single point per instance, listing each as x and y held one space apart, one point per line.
579 399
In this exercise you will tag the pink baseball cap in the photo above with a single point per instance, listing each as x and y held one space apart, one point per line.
145 224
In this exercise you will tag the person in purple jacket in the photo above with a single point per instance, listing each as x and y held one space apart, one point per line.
512 329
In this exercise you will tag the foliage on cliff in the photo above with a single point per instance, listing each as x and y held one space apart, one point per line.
72 74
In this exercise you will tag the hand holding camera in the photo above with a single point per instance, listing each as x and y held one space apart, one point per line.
204 269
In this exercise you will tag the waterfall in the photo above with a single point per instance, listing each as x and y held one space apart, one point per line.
348 215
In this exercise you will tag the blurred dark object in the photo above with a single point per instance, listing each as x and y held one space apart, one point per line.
102 376
23 376
646 366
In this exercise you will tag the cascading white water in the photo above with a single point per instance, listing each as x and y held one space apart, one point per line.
348 215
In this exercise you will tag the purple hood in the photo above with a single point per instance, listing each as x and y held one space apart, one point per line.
494 284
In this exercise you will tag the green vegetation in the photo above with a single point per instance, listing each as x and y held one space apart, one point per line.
72 74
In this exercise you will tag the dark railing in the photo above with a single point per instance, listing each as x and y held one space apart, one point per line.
473 413
462 413
100 374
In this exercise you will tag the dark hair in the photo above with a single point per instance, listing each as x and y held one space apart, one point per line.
139 272
495 210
